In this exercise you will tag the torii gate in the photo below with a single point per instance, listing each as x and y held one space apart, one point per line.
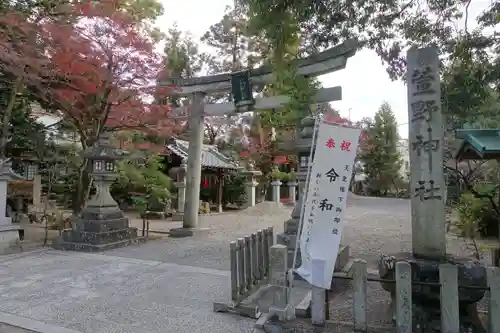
240 85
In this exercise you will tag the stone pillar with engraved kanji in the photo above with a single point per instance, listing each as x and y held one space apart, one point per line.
426 135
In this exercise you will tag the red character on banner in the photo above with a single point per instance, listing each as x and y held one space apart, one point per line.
330 143
345 145
205 183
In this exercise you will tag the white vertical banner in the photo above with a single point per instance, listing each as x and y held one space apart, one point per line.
323 214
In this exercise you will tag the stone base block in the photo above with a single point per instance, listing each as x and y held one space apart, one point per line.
291 227
340 263
289 240
187 232
246 310
102 226
98 238
303 309
178 217
86 247
342 258
426 308
9 238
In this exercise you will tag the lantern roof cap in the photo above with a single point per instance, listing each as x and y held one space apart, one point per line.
6 172
103 150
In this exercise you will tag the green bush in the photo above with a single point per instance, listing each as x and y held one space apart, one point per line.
234 189
144 185
284 177
476 216
63 188
275 174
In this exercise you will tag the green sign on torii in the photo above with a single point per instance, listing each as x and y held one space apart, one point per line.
241 90
240 84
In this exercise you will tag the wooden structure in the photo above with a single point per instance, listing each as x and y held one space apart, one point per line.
215 167
27 191
480 144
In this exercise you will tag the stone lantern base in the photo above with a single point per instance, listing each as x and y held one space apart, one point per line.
99 229
9 236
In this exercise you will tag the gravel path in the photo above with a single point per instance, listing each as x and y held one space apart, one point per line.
374 226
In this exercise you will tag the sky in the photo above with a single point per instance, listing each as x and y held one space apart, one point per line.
365 83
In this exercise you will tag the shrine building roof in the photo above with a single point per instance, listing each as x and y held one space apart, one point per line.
478 144
210 156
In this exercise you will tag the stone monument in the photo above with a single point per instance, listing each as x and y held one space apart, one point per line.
427 205
101 225
9 233
302 147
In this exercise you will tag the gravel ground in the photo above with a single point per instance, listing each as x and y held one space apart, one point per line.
375 226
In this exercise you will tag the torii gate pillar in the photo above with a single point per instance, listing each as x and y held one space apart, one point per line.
193 172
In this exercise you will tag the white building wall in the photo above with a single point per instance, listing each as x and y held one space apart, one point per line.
403 148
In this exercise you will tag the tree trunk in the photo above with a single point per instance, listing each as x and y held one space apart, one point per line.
7 114
82 188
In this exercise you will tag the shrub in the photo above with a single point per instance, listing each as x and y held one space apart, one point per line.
234 189
143 185
476 217
275 174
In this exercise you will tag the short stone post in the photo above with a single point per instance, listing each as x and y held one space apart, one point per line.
318 295
276 184
278 278
9 233
292 191
251 185
37 190
180 184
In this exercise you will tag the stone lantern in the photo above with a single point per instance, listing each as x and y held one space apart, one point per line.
9 233
101 225
251 184
179 174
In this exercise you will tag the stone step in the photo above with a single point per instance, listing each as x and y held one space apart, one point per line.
100 215
82 247
102 225
97 238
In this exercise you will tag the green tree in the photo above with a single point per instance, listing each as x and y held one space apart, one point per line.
181 59
382 162
143 184
387 27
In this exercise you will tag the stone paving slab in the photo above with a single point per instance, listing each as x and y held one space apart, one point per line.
100 294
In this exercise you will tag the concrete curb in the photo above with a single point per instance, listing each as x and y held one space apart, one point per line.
32 325
13 256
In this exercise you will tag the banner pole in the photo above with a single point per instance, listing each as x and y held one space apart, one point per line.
317 122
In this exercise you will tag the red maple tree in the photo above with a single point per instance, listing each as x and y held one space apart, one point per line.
90 64
97 69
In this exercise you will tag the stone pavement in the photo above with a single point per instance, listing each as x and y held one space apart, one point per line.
95 293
